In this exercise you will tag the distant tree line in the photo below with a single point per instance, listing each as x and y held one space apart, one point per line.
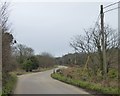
27 60
72 59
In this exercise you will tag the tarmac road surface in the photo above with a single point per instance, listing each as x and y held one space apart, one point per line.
42 83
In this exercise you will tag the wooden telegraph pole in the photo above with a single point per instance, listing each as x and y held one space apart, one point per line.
103 43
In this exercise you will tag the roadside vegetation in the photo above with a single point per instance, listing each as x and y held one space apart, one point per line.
8 80
22 72
86 66
73 76
9 87
26 61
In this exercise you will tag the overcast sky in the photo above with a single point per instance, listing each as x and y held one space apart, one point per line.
49 27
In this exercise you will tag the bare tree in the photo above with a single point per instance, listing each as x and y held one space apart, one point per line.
46 60
91 45
22 52
4 16
46 54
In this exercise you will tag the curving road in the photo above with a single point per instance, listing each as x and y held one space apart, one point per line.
42 83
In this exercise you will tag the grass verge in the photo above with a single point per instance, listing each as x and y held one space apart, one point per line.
86 85
22 72
9 86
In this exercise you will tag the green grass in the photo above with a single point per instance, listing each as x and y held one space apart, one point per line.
86 85
9 86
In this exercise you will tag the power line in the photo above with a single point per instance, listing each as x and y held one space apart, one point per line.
105 12
111 4
112 9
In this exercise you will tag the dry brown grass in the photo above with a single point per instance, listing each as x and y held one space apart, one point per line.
76 73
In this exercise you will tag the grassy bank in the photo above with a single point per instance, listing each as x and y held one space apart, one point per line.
86 85
9 86
22 72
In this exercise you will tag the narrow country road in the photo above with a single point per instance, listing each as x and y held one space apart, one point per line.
42 83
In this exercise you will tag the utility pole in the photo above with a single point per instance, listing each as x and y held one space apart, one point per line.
0 59
75 57
103 43
119 41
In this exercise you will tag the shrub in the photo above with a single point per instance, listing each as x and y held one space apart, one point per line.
30 64
113 73
27 65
